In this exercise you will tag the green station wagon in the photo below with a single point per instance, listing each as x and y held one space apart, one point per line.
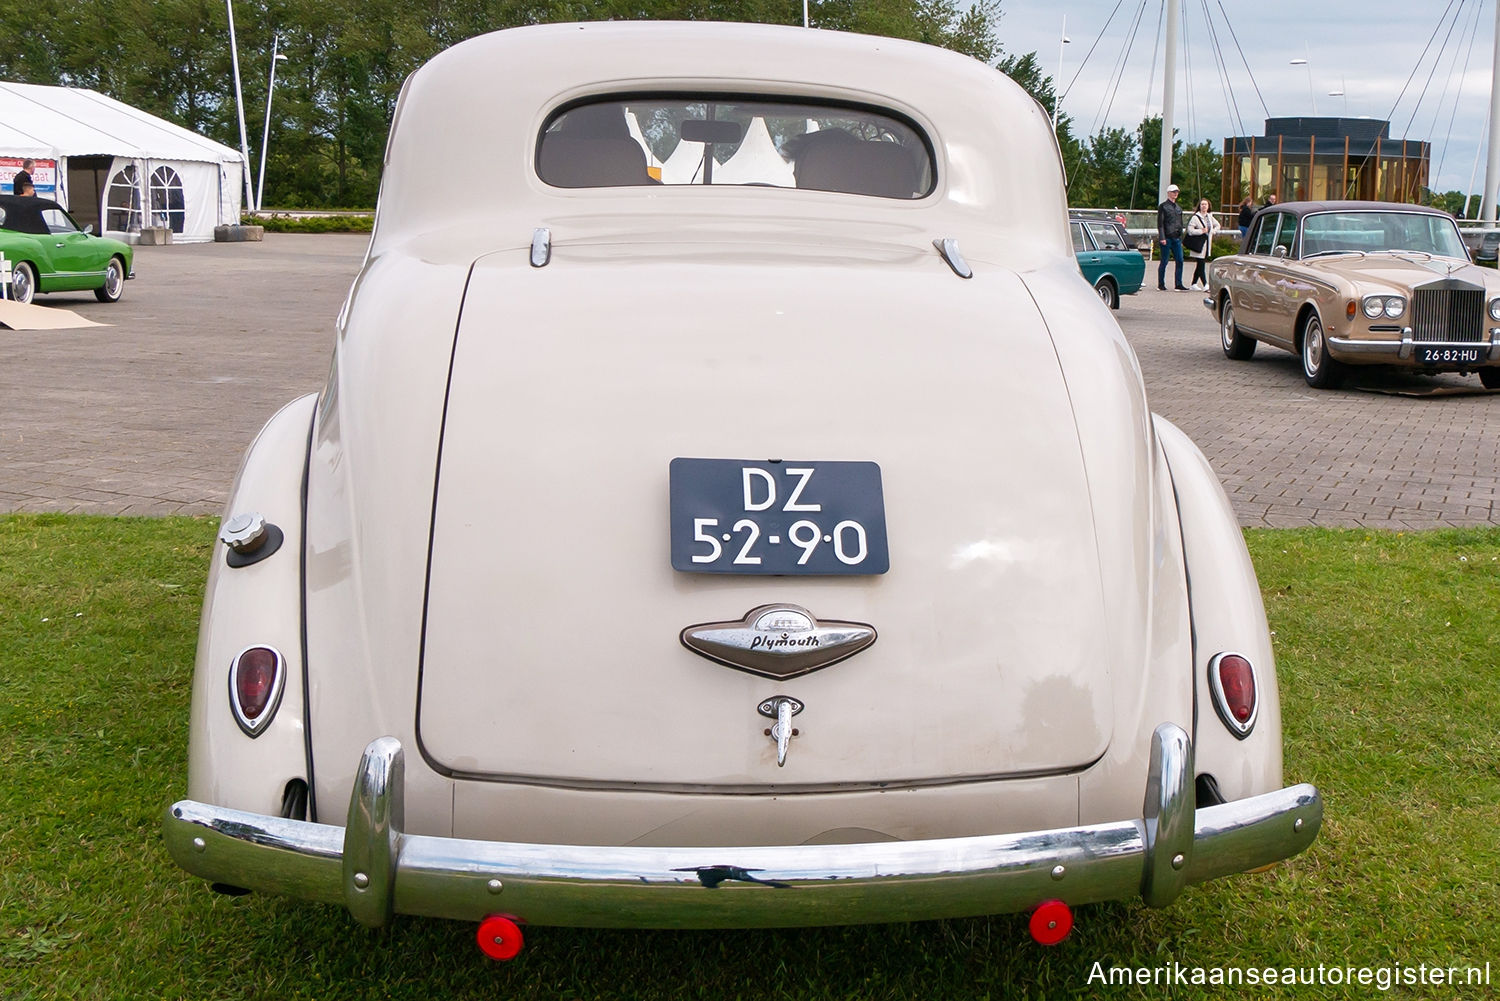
47 252
1107 259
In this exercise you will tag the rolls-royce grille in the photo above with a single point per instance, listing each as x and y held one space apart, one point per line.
1449 314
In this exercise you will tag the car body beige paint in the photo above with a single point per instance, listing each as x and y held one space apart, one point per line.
513 425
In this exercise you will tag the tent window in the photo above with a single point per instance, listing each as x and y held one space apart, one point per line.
123 214
167 206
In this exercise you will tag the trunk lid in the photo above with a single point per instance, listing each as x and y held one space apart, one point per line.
551 648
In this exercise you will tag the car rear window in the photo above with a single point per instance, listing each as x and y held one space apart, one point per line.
707 140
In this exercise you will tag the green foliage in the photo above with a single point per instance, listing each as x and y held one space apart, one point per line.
1120 169
1451 202
316 224
346 61
1226 245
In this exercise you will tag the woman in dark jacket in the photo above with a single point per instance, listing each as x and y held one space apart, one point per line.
1247 212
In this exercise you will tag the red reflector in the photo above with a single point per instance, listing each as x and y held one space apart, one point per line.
1237 682
500 937
1051 922
255 680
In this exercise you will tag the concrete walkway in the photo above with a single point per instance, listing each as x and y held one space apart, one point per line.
151 415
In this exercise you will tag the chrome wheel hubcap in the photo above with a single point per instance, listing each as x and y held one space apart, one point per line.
1226 326
112 280
1312 348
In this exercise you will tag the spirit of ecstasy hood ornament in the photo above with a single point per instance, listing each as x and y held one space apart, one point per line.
778 641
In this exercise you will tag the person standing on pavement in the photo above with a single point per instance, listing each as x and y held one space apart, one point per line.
1201 229
1247 213
1169 232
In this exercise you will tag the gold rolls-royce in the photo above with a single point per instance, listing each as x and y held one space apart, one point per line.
1342 284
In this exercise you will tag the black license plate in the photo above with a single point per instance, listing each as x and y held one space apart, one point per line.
748 516
1448 356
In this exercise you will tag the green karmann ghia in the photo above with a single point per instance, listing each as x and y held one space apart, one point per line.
47 252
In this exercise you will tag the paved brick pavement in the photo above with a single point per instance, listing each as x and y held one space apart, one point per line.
151 415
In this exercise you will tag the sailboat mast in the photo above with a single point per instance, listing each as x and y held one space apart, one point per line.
1492 166
1168 96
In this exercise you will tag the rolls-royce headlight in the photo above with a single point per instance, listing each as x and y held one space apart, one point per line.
1374 306
1495 309
1395 306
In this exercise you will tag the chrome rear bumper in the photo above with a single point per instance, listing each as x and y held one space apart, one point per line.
375 870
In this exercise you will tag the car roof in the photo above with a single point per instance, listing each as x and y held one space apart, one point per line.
998 188
1308 208
27 202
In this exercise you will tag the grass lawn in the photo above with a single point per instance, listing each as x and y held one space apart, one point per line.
1389 657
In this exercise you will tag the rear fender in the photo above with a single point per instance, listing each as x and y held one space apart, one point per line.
255 605
1228 617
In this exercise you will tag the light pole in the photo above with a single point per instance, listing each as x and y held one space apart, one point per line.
1304 62
260 185
239 104
1057 85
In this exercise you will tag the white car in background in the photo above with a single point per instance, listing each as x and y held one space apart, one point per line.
728 508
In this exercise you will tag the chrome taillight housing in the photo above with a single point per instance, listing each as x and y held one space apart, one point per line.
1231 679
256 677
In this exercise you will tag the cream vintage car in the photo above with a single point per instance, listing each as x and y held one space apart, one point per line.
753 522
1344 284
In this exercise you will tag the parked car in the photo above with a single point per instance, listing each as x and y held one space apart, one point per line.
47 252
1105 256
1482 242
777 537
1345 284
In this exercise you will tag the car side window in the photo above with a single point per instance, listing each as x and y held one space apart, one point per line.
1287 233
1080 243
1106 236
1265 233
58 221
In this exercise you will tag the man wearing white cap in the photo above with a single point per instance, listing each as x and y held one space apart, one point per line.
1169 232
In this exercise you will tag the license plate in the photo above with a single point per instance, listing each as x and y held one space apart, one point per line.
1441 356
748 516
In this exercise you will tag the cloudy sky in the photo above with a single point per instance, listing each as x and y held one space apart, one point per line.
1365 48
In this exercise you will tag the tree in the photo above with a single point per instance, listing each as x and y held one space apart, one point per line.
1199 171
1451 202
1112 158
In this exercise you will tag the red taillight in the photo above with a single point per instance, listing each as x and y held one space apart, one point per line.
1233 681
255 679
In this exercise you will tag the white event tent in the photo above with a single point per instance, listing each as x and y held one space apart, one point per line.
115 166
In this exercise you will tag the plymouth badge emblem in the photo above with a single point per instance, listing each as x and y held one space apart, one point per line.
778 641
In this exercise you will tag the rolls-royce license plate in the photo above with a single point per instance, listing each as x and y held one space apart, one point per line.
1446 356
751 516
